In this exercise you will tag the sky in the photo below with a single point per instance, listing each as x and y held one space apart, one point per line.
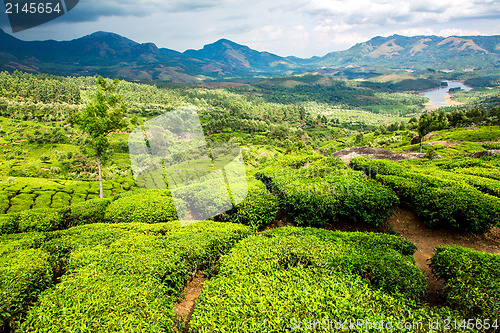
301 28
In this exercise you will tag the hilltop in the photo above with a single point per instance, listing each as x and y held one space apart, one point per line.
112 55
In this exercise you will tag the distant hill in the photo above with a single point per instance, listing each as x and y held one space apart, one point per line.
112 55
419 52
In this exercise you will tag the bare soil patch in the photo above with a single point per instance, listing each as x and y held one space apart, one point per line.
192 291
408 225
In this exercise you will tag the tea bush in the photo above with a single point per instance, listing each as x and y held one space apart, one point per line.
25 271
258 209
315 190
18 194
147 206
126 277
441 198
472 280
42 219
271 282
91 211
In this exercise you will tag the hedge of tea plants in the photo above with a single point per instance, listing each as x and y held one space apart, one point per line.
472 281
316 190
283 278
442 192
259 208
115 277
146 206
19 193
25 271
143 206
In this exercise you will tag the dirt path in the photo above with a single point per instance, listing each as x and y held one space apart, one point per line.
408 225
186 307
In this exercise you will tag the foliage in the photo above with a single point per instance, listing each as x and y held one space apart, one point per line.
38 88
472 280
25 271
42 219
103 115
441 198
270 282
91 211
145 206
258 209
316 190
127 277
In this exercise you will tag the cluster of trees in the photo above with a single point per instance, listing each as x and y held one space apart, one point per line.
36 111
39 88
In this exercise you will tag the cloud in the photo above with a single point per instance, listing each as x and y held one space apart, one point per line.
285 27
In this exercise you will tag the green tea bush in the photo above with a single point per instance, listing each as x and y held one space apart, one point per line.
147 206
324 190
91 211
274 281
42 219
24 273
127 277
4 202
441 198
472 280
21 202
9 224
258 209
60 200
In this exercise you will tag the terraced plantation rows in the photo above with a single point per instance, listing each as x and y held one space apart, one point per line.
21 193
272 253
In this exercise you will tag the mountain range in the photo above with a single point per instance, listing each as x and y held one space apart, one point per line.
112 55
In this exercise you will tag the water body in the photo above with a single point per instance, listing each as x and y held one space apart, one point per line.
438 97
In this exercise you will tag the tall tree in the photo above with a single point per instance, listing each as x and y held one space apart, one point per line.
102 116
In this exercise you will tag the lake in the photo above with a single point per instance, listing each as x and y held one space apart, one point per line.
438 97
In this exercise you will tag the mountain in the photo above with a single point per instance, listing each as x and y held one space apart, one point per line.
227 55
419 52
112 55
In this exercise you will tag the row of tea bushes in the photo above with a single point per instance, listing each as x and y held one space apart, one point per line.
25 271
117 277
316 190
472 281
285 278
258 209
440 197
19 194
145 206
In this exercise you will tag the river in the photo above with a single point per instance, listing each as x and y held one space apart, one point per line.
440 97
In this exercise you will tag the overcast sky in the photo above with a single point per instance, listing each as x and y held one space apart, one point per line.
301 28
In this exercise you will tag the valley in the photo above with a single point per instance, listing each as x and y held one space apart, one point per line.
362 203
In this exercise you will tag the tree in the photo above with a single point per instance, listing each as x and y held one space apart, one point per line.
424 127
102 116
431 122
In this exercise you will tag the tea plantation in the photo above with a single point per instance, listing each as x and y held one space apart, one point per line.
459 193
71 262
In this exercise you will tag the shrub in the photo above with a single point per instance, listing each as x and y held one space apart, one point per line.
258 209
287 276
42 219
126 277
95 300
147 206
24 273
441 198
325 190
91 211
472 280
